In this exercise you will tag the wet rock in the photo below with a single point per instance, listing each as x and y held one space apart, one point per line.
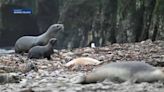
27 67
9 78
3 51
26 90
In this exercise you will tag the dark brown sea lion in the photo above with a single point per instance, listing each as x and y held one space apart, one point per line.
24 43
124 71
42 51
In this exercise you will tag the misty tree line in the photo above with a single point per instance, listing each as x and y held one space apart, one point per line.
99 21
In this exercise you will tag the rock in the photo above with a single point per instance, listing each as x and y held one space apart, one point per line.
26 90
9 78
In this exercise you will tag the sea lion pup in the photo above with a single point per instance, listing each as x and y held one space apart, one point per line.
132 72
42 51
83 61
24 43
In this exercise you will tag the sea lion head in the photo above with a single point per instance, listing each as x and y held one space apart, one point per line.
55 28
52 41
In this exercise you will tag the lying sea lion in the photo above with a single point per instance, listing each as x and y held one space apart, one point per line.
24 43
42 51
83 61
123 71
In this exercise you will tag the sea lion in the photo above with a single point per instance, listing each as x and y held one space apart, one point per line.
123 72
42 51
24 43
83 61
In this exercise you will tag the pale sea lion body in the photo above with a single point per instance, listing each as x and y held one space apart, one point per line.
42 51
24 43
124 71
83 61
